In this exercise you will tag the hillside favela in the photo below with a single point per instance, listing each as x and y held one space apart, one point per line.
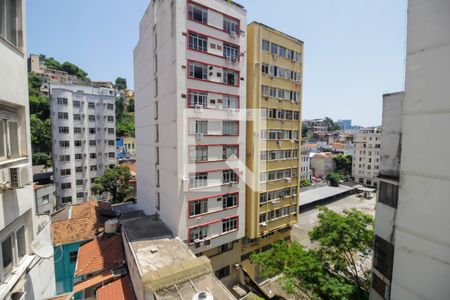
224 150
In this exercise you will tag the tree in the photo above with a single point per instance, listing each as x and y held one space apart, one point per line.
121 83
332 270
331 125
42 159
72 69
130 106
41 134
305 183
334 178
125 126
343 164
116 182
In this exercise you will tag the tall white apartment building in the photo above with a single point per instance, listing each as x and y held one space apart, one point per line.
412 241
190 70
83 138
366 158
306 172
22 233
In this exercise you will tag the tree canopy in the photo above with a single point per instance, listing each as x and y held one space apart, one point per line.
332 270
334 178
331 125
121 83
116 182
68 67
343 164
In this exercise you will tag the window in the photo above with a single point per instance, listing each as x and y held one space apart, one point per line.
199 153
65 172
388 194
76 103
230 25
63 116
92 143
63 130
79 182
225 247
230 152
78 169
222 273
282 51
64 144
198 207
265 68
110 119
274 48
91 105
230 128
266 45
10 18
110 106
201 127
111 155
229 201
92 130
230 51
265 90
80 195
230 102
67 199
198 42
111 143
92 155
76 117
383 256
91 118
45 199
110 130
198 98
230 77
93 168
13 133
61 101
229 224
77 143
66 185
229 176
198 13
198 233
64 158
199 180
73 257
198 70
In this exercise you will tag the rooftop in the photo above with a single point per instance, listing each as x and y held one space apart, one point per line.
80 222
100 254
120 289
318 194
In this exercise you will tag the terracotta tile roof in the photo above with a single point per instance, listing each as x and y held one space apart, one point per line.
82 285
120 289
338 145
99 255
323 155
83 223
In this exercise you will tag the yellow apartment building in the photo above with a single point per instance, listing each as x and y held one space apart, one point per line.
274 94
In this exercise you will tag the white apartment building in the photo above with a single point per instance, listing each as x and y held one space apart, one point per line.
366 158
22 232
190 70
412 243
83 138
306 172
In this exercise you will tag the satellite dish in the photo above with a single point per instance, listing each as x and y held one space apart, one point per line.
41 245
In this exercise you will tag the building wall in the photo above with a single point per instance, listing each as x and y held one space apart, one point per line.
17 208
258 103
422 243
164 138
64 268
45 199
104 147
366 159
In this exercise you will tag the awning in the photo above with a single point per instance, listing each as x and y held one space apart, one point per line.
92 281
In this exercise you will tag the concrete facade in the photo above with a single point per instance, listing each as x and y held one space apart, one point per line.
45 198
306 172
21 270
190 77
420 243
366 158
83 136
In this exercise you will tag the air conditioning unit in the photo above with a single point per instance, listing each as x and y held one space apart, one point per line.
263 224
234 60
233 34
275 56
19 176
207 241
198 108
199 136
197 243
288 180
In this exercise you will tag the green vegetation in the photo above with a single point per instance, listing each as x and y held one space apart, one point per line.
334 269
69 67
334 178
343 164
331 125
305 183
121 83
116 182
124 111
42 159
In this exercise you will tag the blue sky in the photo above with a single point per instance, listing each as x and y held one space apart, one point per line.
354 49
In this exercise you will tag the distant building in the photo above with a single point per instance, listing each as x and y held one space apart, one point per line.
306 172
45 198
125 147
26 270
366 158
345 124
83 135
322 163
